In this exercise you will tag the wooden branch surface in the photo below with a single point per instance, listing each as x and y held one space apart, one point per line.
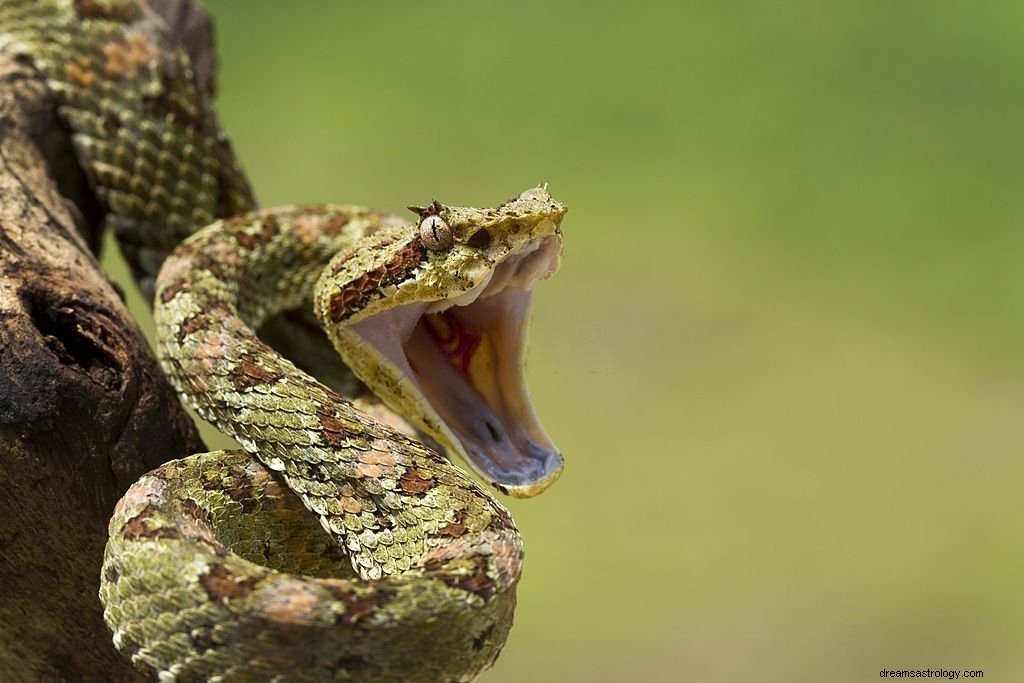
84 407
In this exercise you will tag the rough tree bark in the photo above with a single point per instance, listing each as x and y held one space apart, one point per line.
84 407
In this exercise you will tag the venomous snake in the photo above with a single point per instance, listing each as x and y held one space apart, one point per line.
336 546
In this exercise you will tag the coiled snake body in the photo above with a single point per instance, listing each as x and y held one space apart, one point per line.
215 568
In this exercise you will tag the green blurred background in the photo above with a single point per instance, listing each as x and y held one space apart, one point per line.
785 355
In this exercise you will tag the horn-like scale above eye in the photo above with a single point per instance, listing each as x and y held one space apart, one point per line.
435 233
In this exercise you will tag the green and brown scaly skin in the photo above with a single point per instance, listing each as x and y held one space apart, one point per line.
344 550
145 135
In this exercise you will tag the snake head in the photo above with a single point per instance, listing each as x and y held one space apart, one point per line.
442 336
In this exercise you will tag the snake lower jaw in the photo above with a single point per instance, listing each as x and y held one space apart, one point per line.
550 464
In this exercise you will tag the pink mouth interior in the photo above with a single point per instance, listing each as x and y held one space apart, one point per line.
486 406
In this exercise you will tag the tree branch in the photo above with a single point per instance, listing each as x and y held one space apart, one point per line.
84 407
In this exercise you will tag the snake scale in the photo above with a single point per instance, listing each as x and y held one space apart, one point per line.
337 545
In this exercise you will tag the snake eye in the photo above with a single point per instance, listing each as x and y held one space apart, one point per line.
435 233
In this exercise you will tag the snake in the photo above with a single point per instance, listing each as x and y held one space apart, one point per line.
342 542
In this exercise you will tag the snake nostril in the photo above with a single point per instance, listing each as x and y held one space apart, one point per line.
481 239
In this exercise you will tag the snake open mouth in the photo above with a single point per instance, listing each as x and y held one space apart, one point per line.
465 358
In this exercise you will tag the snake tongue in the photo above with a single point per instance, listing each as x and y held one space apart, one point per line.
468 361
